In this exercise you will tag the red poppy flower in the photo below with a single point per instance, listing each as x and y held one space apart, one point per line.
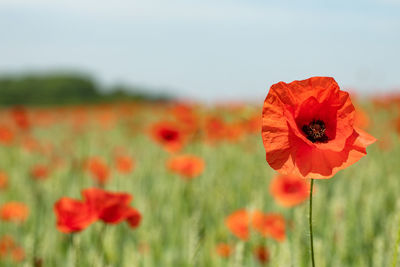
18 254
21 119
261 253
133 218
238 223
9 247
124 164
269 225
186 117
289 190
253 124
188 166
308 129
215 129
169 135
6 135
6 244
98 169
224 250
14 212
110 207
39 172
233 131
73 215
182 111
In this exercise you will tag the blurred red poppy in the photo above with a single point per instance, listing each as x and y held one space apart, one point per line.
224 250
14 212
6 244
215 129
234 131
73 215
18 254
9 247
98 169
133 218
124 164
169 135
39 172
187 118
269 225
6 135
188 166
238 223
21 119
261 253
253 124
308 129
112 208
289 190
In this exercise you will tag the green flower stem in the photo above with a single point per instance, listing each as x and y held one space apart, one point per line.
310 224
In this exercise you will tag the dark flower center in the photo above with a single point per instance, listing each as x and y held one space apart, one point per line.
169 135
290 188
315 131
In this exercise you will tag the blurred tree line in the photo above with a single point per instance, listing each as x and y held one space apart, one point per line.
64 89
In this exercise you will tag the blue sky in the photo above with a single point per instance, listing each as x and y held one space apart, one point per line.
206 50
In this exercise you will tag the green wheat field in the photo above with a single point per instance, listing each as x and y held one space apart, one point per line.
356 213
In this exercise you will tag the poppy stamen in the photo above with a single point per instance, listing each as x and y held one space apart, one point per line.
315 131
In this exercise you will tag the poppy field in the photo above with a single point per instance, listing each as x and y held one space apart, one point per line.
186 184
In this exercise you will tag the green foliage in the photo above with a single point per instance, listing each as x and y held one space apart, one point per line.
62 89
